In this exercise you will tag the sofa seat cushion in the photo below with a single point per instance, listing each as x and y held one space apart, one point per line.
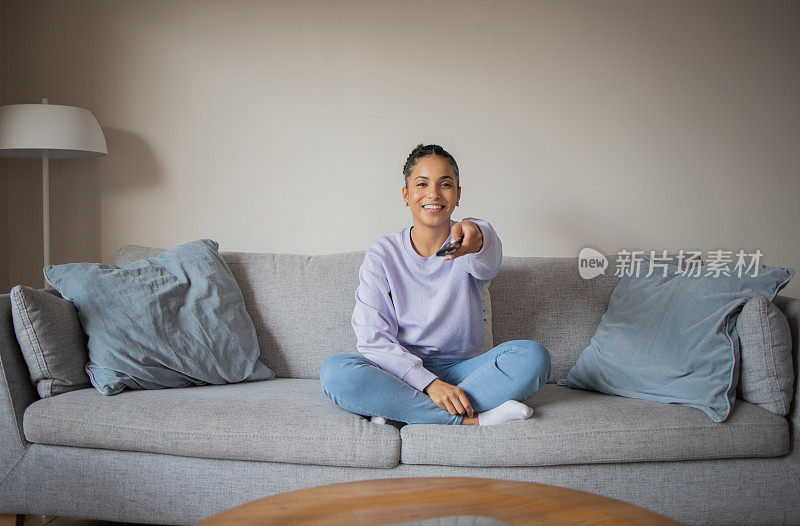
281 420
574 426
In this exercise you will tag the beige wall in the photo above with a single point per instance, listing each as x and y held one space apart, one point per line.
284 126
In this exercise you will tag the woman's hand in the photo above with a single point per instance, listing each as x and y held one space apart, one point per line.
449 397
470 235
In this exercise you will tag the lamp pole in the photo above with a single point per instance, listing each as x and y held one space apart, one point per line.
46 200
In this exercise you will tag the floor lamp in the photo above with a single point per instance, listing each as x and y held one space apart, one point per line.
49 131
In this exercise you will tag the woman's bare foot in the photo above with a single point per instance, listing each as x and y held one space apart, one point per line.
470 420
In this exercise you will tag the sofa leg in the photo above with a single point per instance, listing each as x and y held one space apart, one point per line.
12 520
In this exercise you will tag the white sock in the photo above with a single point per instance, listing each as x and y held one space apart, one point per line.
505 412
378 420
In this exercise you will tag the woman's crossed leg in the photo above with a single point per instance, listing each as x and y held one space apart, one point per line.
513 370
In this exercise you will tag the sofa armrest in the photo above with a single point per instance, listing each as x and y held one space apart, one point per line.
17 391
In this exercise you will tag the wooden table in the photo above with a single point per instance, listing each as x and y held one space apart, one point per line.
385 501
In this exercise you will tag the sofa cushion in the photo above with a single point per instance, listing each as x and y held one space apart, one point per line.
51 339
287 294
671 337
573 426
282 420
766 374
172 320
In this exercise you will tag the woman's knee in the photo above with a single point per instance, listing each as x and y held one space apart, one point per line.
334 370
539 357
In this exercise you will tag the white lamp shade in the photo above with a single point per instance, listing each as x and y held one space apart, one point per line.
65 132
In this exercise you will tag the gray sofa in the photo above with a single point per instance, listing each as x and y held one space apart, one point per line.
177 456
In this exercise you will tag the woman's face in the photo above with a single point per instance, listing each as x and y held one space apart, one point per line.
432 182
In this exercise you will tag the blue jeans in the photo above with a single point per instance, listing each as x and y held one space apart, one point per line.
513 370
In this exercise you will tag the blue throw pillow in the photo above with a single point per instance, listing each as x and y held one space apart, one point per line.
173 320
673 338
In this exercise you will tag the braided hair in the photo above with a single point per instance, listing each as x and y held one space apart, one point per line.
425 151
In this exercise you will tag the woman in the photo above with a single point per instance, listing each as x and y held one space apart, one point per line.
418 318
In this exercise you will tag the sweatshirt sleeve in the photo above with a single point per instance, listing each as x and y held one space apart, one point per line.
375 325
485 263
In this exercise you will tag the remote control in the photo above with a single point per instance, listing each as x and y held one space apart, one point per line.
449 248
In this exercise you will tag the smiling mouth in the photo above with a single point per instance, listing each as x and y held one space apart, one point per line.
433 210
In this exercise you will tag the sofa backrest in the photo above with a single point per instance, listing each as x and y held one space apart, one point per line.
301 305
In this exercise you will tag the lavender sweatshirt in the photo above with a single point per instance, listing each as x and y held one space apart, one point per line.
410 307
